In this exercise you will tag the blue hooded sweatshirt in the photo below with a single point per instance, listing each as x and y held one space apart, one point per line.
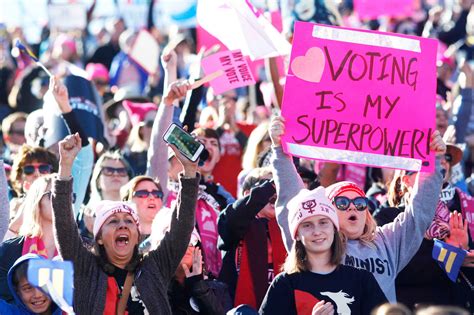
19 308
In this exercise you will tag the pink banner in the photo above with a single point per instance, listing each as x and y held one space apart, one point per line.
371 9
236 70
360 97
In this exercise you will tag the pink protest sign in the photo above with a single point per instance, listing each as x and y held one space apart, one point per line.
236 70
370 9
360 97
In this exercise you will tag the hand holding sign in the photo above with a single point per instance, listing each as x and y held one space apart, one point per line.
437 144
176 91
276 130
60 93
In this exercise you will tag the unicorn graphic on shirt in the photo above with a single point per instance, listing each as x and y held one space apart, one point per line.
342 301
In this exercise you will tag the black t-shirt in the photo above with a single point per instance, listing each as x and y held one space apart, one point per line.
350 290
135 305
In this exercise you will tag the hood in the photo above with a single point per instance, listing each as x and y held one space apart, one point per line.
17 298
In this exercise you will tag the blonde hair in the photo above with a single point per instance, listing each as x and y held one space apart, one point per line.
32 223
255 146
126 192
296 261
368 235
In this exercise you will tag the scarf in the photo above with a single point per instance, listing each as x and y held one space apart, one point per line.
206 221
35 245
439 227
252 282
467 210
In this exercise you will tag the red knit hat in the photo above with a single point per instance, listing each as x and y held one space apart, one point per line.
341 187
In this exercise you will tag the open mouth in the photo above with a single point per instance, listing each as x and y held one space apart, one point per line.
151 206
121 240
353 218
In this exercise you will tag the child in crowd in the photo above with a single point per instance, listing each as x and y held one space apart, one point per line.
28 298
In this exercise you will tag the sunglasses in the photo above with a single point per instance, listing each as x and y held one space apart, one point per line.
49 194
145 193
110 171
343 203
42 169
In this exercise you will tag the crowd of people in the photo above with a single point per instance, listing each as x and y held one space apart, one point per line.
246 228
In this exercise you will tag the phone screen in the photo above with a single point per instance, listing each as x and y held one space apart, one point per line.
185 143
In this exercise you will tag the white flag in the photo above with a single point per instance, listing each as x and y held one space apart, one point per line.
238 25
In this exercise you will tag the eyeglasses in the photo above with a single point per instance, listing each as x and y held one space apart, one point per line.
110 171
343 203
42 168
49 194
145 193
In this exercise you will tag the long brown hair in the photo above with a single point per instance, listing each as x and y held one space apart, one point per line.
297 261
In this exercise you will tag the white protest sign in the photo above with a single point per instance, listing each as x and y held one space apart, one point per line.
67 16
146 52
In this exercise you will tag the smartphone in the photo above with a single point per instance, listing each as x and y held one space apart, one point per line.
186 144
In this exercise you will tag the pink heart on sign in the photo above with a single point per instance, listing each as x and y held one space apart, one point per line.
309 67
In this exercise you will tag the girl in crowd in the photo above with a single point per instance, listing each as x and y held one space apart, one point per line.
314 280
35 233
384 251
115 262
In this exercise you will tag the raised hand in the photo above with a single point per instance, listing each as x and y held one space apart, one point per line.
323 308
437 143
169 60
61 95
276 130
69 147
197 264
176 91
458 231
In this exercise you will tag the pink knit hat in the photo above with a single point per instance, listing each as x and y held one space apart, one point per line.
338 188
107 208
309 203
138 111
66 40
97 71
